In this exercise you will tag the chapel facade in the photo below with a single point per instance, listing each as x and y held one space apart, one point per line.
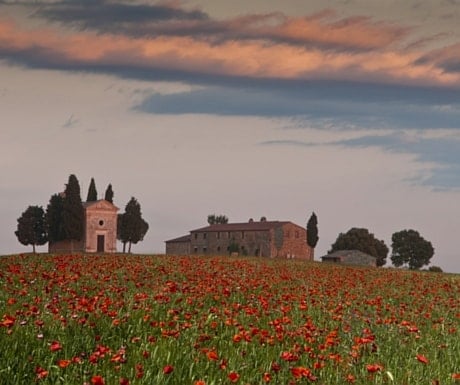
100 230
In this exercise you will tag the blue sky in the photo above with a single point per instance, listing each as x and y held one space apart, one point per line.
349 109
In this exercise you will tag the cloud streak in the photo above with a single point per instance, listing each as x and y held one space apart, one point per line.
441 153
357 104
117 37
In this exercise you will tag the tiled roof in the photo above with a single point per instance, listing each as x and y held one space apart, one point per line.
245 226
347 254
184 238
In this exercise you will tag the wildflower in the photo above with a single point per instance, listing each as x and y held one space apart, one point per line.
300 371
421 358
267 377
7 321
168 369
351 378
55 346
63 363
372 368
97 380
212 355
41 373
233 376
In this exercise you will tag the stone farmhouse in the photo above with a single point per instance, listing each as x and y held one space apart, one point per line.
100 230
350 257
280 239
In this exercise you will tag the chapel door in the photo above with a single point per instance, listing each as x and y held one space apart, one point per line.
100 243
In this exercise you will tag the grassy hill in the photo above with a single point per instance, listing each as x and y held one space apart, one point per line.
129 319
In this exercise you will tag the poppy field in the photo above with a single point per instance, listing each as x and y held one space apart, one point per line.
124 319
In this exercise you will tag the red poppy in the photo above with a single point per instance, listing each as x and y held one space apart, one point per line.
233 376
7 321
64 363
55 346
41 373
124 381
300 371
97 380
372 368
351 378
168 369
422 359
212 355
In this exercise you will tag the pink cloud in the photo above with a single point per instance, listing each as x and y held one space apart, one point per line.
248 57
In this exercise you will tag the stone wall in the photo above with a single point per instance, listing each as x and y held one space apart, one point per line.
254 243
293 244
66 246
286 241
178 248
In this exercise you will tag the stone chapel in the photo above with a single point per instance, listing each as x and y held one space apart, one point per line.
100 230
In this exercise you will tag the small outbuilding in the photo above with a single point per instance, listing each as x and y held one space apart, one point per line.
350 257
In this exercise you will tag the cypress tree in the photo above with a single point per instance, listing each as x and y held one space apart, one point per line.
109 194
73 212
312 231
54 223
92 192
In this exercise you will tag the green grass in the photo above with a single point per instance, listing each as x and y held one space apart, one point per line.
219 320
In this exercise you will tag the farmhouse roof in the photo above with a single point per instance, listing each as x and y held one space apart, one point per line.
184 238
245 226
346 254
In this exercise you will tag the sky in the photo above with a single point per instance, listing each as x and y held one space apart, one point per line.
346 108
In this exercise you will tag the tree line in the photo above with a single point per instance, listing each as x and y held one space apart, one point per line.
409 248
64 218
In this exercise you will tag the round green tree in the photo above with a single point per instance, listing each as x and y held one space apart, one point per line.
410 249
131 227
31 228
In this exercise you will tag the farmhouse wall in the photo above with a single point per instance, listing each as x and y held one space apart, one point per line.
178 246
250 242
265 239
293 244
